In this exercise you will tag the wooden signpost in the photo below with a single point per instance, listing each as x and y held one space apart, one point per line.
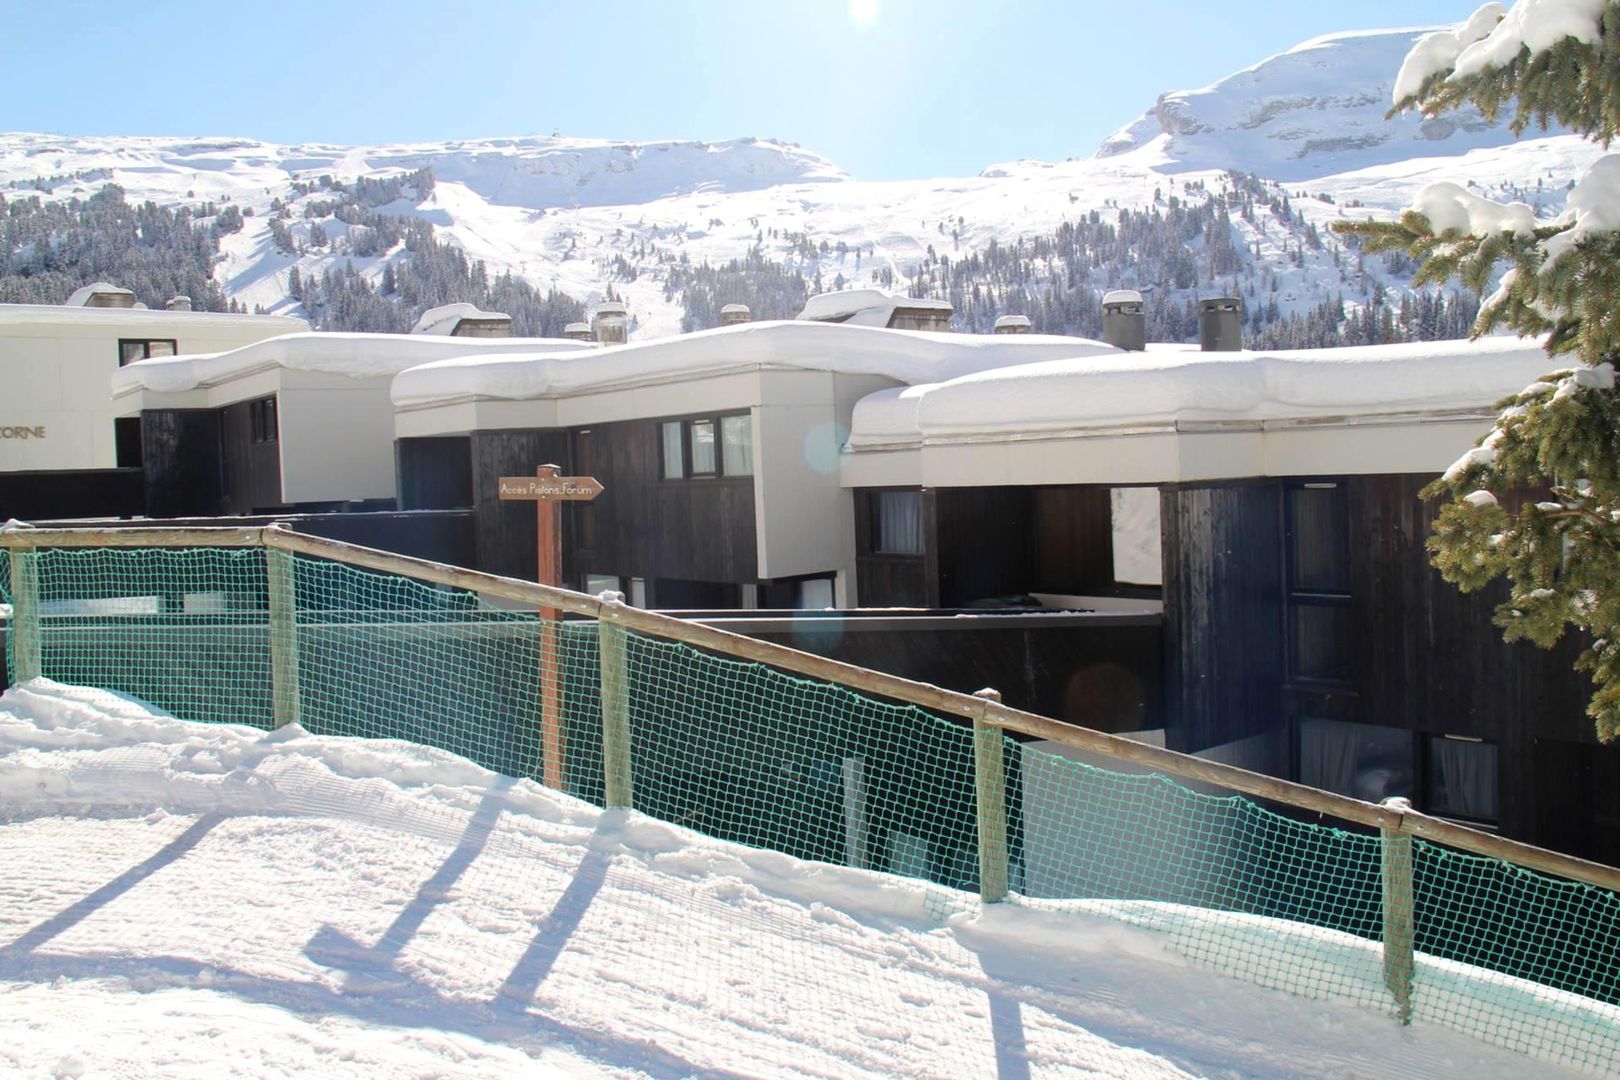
546 488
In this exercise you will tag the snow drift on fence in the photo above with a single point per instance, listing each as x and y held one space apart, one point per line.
202 900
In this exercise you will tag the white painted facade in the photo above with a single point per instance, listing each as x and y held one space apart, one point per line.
55 362
335 420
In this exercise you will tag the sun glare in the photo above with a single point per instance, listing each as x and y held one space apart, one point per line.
862 12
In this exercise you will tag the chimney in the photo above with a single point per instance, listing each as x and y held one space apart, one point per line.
915 314
610 324
177 303
732 314
577 331
1220 324
498 324
1012 324
103 295
1124 322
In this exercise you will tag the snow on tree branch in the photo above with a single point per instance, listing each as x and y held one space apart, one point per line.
1537 500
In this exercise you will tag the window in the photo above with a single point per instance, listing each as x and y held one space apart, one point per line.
133 349
584 513
897 523
596 584
674 450
737 445
815 594
1317 526
638 592
707 446
262 420
1364 761
127 441
701 438
1462 778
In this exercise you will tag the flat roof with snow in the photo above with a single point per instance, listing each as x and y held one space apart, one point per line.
352 356
1171 414
471 391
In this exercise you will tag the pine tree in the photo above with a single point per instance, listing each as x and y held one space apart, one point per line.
1538 498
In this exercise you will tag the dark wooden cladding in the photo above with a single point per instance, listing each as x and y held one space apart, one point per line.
1428 657
1223 613
180 456
1104 676
1424 657
506 530
1073 537
435 473
980 543
886 580
645 526
250 472
71 493
983 537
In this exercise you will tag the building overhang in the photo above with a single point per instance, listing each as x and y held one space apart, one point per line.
1173 451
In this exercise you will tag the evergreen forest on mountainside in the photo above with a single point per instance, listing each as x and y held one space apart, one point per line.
393 267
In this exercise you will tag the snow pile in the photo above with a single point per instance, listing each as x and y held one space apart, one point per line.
190 900
1494 36
1167 386
1536 25
864 307
902 355
1452 206
358 356
1438 51
1594 207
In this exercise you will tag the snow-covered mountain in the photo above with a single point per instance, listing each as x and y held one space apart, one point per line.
583 216
1315 110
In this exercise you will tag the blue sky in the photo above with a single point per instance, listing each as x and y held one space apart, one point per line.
885 88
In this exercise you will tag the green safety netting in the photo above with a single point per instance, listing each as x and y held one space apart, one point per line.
747 753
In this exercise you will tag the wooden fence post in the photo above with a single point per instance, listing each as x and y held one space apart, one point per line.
618 785
857 833
990 785
1396 851
279 574
27 650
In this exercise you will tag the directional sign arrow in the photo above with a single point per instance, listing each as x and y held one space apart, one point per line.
550 488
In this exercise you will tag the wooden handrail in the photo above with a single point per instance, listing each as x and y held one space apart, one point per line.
893 687
202 536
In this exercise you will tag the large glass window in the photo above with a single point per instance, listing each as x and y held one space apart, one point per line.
1364 761
897 523
133 349
737 445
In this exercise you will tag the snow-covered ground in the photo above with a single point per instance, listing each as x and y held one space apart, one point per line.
205 900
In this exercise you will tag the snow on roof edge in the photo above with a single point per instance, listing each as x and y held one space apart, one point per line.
355 355
905 356
1168 386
